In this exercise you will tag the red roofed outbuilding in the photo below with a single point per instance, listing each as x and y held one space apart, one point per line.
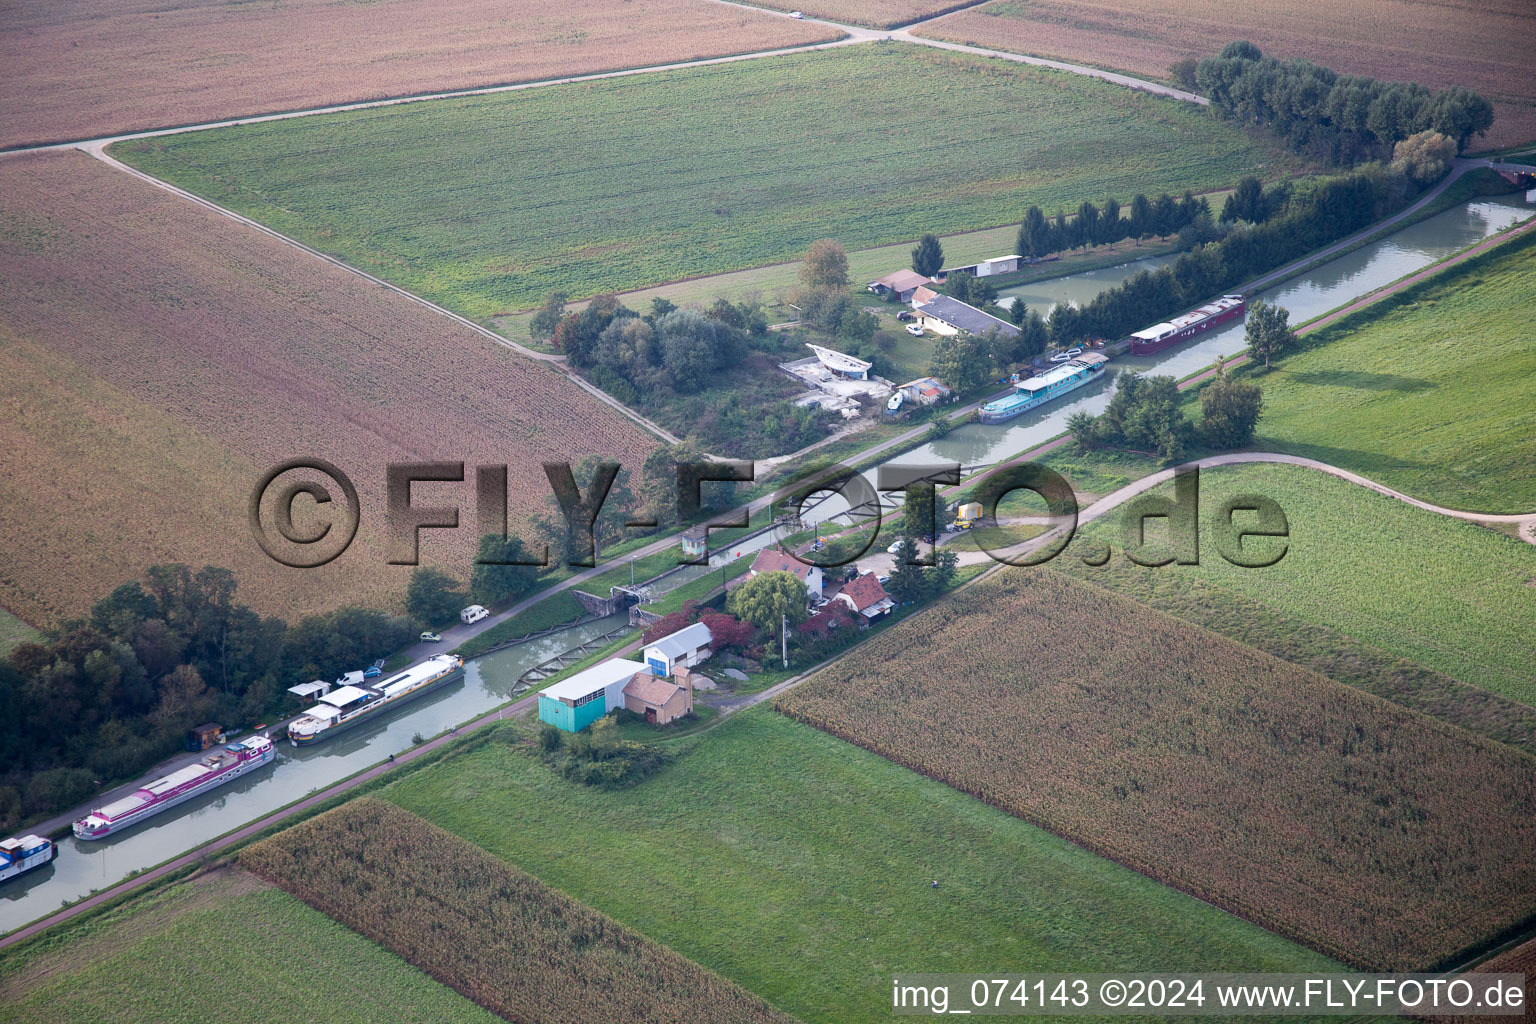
774 560
865 595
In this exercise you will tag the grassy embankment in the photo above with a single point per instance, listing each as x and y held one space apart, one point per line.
1432 392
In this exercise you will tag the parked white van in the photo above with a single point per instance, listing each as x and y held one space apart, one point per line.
474 613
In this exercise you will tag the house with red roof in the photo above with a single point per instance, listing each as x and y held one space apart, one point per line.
774 560
866 596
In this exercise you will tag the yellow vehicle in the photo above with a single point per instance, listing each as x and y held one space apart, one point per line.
968 515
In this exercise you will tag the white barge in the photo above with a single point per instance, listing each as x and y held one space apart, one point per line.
362 701
231 762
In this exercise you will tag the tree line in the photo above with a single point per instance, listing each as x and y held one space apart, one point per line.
1341 118
107 696
1094 225
1316 213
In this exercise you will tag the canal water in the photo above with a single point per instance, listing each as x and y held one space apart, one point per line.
83 867
1327 287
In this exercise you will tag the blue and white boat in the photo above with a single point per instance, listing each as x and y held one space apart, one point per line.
1053 383
24 854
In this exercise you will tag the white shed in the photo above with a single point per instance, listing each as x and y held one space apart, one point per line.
683 649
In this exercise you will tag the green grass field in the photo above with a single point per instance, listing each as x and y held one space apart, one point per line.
13 631
485 204
1448 595
800 867
221 947
1434 395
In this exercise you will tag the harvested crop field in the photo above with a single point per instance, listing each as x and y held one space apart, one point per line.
1380 836
491 932
771 156
225 939
874 13
1483 46
101 67
157 358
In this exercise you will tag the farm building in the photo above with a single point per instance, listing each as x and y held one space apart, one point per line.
575 703
924 295
695 542
683 649
902 284
659 701
986 268
947 315
773 560
866 596
925 391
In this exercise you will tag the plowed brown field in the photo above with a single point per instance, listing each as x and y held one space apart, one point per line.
874 13
99 67
1377 835
1482 44
156 358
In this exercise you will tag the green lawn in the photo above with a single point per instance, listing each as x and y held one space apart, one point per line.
799 866
1434 395
484 204
554 610
1445 594
13 631
226 947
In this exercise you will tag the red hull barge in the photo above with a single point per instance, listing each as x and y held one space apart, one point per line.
1196 321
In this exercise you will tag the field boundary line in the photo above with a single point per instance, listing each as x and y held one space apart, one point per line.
555 362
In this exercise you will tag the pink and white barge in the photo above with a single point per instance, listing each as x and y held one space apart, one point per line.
229 764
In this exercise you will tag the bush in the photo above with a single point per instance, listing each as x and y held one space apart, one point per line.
598 757
58 788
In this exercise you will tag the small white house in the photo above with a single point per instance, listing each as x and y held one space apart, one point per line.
867 597
683 649
773 560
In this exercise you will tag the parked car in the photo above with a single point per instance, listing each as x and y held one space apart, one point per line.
883 580
894 549
914 330
430 637
906 315
796 14
474 613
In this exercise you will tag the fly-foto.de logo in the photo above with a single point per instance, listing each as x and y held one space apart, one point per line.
1247 530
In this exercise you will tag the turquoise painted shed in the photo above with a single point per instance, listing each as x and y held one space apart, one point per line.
575 703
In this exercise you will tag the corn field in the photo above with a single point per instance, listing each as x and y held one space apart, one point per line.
489 931
1377 835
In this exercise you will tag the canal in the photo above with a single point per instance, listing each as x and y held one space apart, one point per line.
85 866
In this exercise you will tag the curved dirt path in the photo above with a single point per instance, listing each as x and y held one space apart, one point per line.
1526 521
